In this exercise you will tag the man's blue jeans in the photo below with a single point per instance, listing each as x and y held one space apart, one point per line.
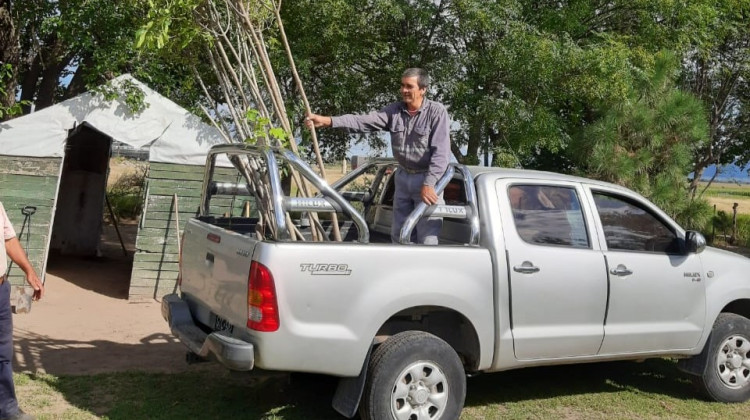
406 197
8 402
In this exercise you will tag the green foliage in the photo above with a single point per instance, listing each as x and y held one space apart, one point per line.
169 21
743 230
722 222
646 142
516 81
132 95
728 192
126 194
6 73
262 127
72 46
717 69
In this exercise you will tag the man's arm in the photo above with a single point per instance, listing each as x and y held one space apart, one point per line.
18 256
374 121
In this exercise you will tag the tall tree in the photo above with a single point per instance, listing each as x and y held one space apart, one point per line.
647 142
717 70
68 46
9 56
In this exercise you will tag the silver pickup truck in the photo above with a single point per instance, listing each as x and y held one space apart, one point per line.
533 269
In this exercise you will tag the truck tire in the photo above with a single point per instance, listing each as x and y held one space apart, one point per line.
414 375
726 360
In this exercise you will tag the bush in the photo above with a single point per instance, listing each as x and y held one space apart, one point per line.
743 230
721 227
126 194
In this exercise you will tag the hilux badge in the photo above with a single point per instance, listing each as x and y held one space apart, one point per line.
695 276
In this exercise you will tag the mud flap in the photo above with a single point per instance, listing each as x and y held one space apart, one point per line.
349 391
697 364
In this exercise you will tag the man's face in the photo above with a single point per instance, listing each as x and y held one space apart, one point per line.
411 93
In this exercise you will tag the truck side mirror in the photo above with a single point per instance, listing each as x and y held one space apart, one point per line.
695 242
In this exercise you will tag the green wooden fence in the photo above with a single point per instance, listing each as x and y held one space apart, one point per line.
26 181
155 264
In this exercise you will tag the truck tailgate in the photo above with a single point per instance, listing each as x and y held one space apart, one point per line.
215 268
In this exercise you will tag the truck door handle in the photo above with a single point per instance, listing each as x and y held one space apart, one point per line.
621 270
526 267
209 258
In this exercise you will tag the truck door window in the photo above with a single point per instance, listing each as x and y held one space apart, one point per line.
630 227
548 215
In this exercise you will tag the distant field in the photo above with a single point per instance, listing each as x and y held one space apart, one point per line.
724 195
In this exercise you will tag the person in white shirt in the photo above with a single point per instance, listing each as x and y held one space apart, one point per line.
11 248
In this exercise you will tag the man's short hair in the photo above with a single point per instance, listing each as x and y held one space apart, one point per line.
423 79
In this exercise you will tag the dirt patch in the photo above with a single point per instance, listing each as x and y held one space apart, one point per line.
85 324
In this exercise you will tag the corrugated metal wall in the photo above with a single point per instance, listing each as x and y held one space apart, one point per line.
26 181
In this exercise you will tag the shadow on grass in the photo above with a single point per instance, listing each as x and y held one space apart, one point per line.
209 394
656 376
218 394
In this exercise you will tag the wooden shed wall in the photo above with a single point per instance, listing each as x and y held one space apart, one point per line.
155 264
26 181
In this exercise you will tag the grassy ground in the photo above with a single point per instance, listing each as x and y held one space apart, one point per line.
654 389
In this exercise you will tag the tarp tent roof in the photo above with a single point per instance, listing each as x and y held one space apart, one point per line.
175 135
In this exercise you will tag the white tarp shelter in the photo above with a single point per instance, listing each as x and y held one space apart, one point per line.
175 135
57 160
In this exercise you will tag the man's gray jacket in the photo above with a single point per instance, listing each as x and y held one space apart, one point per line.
420 143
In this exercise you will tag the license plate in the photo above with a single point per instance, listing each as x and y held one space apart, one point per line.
221 324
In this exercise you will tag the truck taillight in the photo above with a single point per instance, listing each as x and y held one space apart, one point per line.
262 307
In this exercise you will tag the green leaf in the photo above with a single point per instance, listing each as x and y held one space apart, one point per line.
277 133
252 115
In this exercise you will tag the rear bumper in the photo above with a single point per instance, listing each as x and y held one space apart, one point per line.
233 353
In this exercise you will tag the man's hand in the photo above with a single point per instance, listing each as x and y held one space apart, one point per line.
317 121
34 281
428 195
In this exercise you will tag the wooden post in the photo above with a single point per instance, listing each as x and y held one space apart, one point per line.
713 227
176 208
734 223
117 228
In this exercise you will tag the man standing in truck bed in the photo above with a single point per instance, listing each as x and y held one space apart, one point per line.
420 140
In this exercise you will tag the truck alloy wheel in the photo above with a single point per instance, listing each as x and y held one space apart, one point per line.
726 374
414 375
421 390
733 361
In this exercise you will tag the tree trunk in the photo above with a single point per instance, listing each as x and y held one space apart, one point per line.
460 158
475 141
697 175
54 65
9 54
77 85
29 81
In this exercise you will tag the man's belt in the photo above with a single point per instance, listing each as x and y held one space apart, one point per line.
413 171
